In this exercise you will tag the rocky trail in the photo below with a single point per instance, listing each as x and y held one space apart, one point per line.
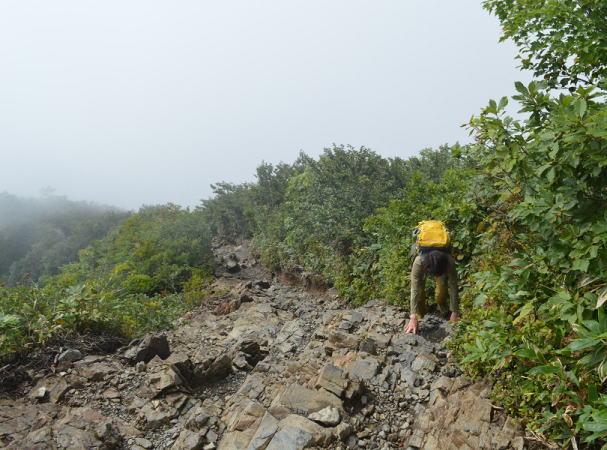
263 364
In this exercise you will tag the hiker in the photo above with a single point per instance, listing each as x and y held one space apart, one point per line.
431 251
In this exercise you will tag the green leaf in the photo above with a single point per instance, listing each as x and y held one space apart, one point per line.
596 427
544 370
526 353
581 344
580 107
581 265
543 168
524 312
503 103
520 87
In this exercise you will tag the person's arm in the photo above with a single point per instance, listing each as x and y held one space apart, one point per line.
453 290
417 286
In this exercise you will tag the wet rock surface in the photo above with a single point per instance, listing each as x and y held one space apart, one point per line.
263 364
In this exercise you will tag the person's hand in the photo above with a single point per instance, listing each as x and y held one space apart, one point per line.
412 325
454 317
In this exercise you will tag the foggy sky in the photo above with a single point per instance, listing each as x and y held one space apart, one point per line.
143 102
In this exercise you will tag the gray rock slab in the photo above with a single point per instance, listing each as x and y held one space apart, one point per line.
364 369
189 440
69 355
150 346
343 340
290 438
264 433
333 379
305 401
424 363
96 371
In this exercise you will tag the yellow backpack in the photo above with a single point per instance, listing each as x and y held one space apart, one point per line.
432 234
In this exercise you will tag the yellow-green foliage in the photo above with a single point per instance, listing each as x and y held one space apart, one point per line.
381 268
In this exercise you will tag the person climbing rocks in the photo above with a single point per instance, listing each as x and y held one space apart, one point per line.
431 251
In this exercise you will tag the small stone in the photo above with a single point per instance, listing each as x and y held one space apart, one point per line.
343 430
142 442
39 393
212 436
332 379
264 433
197 418
111 393
70 355
188 440
298 398
417 439
152 418
240 361
343 340
96 371
364 433
368 346
326 416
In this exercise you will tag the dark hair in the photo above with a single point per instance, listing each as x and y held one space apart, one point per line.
435 262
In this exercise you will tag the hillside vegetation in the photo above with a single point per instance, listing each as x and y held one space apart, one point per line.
138 278
525 204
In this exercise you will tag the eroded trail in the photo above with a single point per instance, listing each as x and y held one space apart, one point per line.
264 364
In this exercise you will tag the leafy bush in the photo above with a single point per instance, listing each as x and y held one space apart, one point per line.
541 285
29 315
154 251
381 268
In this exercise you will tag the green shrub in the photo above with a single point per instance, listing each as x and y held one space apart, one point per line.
543 332
380 269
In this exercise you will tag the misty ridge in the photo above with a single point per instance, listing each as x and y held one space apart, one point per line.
39 235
